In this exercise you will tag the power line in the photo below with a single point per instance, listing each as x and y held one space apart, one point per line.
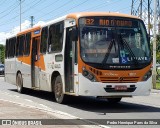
32 6
70 8
103 4
56 8
48 6
2 2
10 20
8 12
100 5
8 8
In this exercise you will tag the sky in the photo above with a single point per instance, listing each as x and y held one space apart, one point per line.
46 10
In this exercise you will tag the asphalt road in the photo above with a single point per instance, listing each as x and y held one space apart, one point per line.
141 107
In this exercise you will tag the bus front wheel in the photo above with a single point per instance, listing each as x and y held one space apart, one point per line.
19 83
114 100
58 90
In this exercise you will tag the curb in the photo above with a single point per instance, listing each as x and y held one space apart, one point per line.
53 112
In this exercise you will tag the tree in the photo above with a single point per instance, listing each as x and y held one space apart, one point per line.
2 53
158 49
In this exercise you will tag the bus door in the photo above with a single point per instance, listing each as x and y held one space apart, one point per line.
70 62
35 62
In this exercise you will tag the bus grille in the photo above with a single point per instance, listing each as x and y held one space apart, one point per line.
119 79
98 73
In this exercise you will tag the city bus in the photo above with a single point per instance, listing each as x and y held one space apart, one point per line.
104 55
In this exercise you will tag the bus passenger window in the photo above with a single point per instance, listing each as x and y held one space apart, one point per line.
56 37
44 40
27 44
6 51
20 45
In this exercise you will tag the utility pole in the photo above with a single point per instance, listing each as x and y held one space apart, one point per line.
150 16
20 15
154 45
149 23
32 18
140 9
144 10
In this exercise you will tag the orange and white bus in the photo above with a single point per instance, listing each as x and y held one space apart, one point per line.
105 55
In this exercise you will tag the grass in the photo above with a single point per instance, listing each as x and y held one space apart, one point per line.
158 85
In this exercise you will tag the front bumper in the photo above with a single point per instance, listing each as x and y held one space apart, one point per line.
88 88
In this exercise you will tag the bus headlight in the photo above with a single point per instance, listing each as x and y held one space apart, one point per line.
85 73
147 75
88 75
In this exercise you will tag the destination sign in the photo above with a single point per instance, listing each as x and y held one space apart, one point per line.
109 21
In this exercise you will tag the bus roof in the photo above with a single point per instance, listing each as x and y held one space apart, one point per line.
29 30
83 14
55 21
76 16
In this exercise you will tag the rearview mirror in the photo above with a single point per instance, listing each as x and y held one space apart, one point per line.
74 34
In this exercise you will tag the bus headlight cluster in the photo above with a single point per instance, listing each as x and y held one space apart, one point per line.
147 75
88 75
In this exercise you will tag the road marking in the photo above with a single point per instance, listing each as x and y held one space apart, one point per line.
28 100
53 112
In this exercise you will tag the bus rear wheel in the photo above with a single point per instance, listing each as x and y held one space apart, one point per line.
58 90
19 83
114 100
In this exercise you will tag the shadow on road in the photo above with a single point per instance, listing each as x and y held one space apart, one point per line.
93 104
38 94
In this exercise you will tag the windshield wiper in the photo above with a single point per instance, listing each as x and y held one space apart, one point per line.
108 52
129 49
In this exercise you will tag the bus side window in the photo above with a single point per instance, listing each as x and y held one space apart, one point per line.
12 47
17 46
8 47
51 37
6 51
27 44
55 42
44 40
20 45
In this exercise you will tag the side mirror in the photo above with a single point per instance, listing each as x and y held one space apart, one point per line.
74 34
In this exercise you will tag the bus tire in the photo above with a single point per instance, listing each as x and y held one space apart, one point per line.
114 100
58 90
19 83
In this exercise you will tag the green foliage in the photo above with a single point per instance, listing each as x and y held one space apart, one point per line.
157 85
2 53
157 48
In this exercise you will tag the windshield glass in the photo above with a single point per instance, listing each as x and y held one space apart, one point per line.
110 40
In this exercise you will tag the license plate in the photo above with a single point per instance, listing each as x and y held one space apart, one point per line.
121 87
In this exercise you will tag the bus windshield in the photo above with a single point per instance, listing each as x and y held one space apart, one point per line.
113 41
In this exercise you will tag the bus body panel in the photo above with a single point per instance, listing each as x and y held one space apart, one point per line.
25 70
88 88
10 70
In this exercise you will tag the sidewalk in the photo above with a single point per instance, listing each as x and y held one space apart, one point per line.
24 116
155 91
